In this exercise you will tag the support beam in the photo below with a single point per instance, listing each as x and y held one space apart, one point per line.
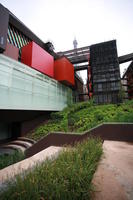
81 67
125 58
78 55
75 50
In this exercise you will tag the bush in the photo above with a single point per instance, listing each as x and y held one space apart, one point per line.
66 178
9 159
83 116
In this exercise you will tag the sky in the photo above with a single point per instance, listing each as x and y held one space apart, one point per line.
90 21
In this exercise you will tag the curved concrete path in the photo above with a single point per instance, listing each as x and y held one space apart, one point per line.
113 179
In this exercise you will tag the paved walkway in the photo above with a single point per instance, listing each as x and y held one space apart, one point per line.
113 179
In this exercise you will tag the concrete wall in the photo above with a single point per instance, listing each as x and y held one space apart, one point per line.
113 131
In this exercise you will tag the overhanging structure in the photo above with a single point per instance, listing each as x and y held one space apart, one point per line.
23 88
82 55
15 32
78 55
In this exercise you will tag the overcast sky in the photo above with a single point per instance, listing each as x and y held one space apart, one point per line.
90 21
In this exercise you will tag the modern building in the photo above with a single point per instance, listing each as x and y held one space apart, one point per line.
127 81
79 89
35 80
105 72
29 90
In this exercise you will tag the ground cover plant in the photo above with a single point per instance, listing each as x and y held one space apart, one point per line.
9 159
66 178
80 117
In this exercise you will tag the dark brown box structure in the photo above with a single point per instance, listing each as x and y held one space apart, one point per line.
105 72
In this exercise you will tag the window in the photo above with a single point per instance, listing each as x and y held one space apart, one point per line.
105 98
109 98
99 87
100 99
96 99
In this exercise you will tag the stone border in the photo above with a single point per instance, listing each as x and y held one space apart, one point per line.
11 171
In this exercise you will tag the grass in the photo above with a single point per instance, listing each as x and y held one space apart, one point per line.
6 159
83 116
68 177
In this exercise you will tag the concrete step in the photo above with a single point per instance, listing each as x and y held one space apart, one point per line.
21 143
15 147
27 140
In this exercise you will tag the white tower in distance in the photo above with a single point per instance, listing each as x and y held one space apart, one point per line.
75 43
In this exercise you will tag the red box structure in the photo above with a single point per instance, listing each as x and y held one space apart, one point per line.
64 71
36 57
11 51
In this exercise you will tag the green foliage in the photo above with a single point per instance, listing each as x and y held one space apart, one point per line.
66 178
6 159
43 130
121 94
83 116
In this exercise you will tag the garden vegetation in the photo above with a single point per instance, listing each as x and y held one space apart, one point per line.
66 178
83 116
9 159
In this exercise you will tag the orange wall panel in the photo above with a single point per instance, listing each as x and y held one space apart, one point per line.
64 71
36 57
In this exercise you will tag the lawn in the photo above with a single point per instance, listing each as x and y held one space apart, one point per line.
80 117
66 178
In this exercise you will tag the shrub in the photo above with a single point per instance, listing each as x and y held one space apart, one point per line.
83 116
9 159
68 177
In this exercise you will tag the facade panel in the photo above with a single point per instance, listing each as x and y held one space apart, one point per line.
23 88
64 71
105 72
127 82
37 58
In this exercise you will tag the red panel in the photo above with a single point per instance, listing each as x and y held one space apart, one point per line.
90 94
37 58
64 71
11 51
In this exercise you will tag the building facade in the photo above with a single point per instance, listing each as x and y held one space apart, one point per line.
127 81
105 72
